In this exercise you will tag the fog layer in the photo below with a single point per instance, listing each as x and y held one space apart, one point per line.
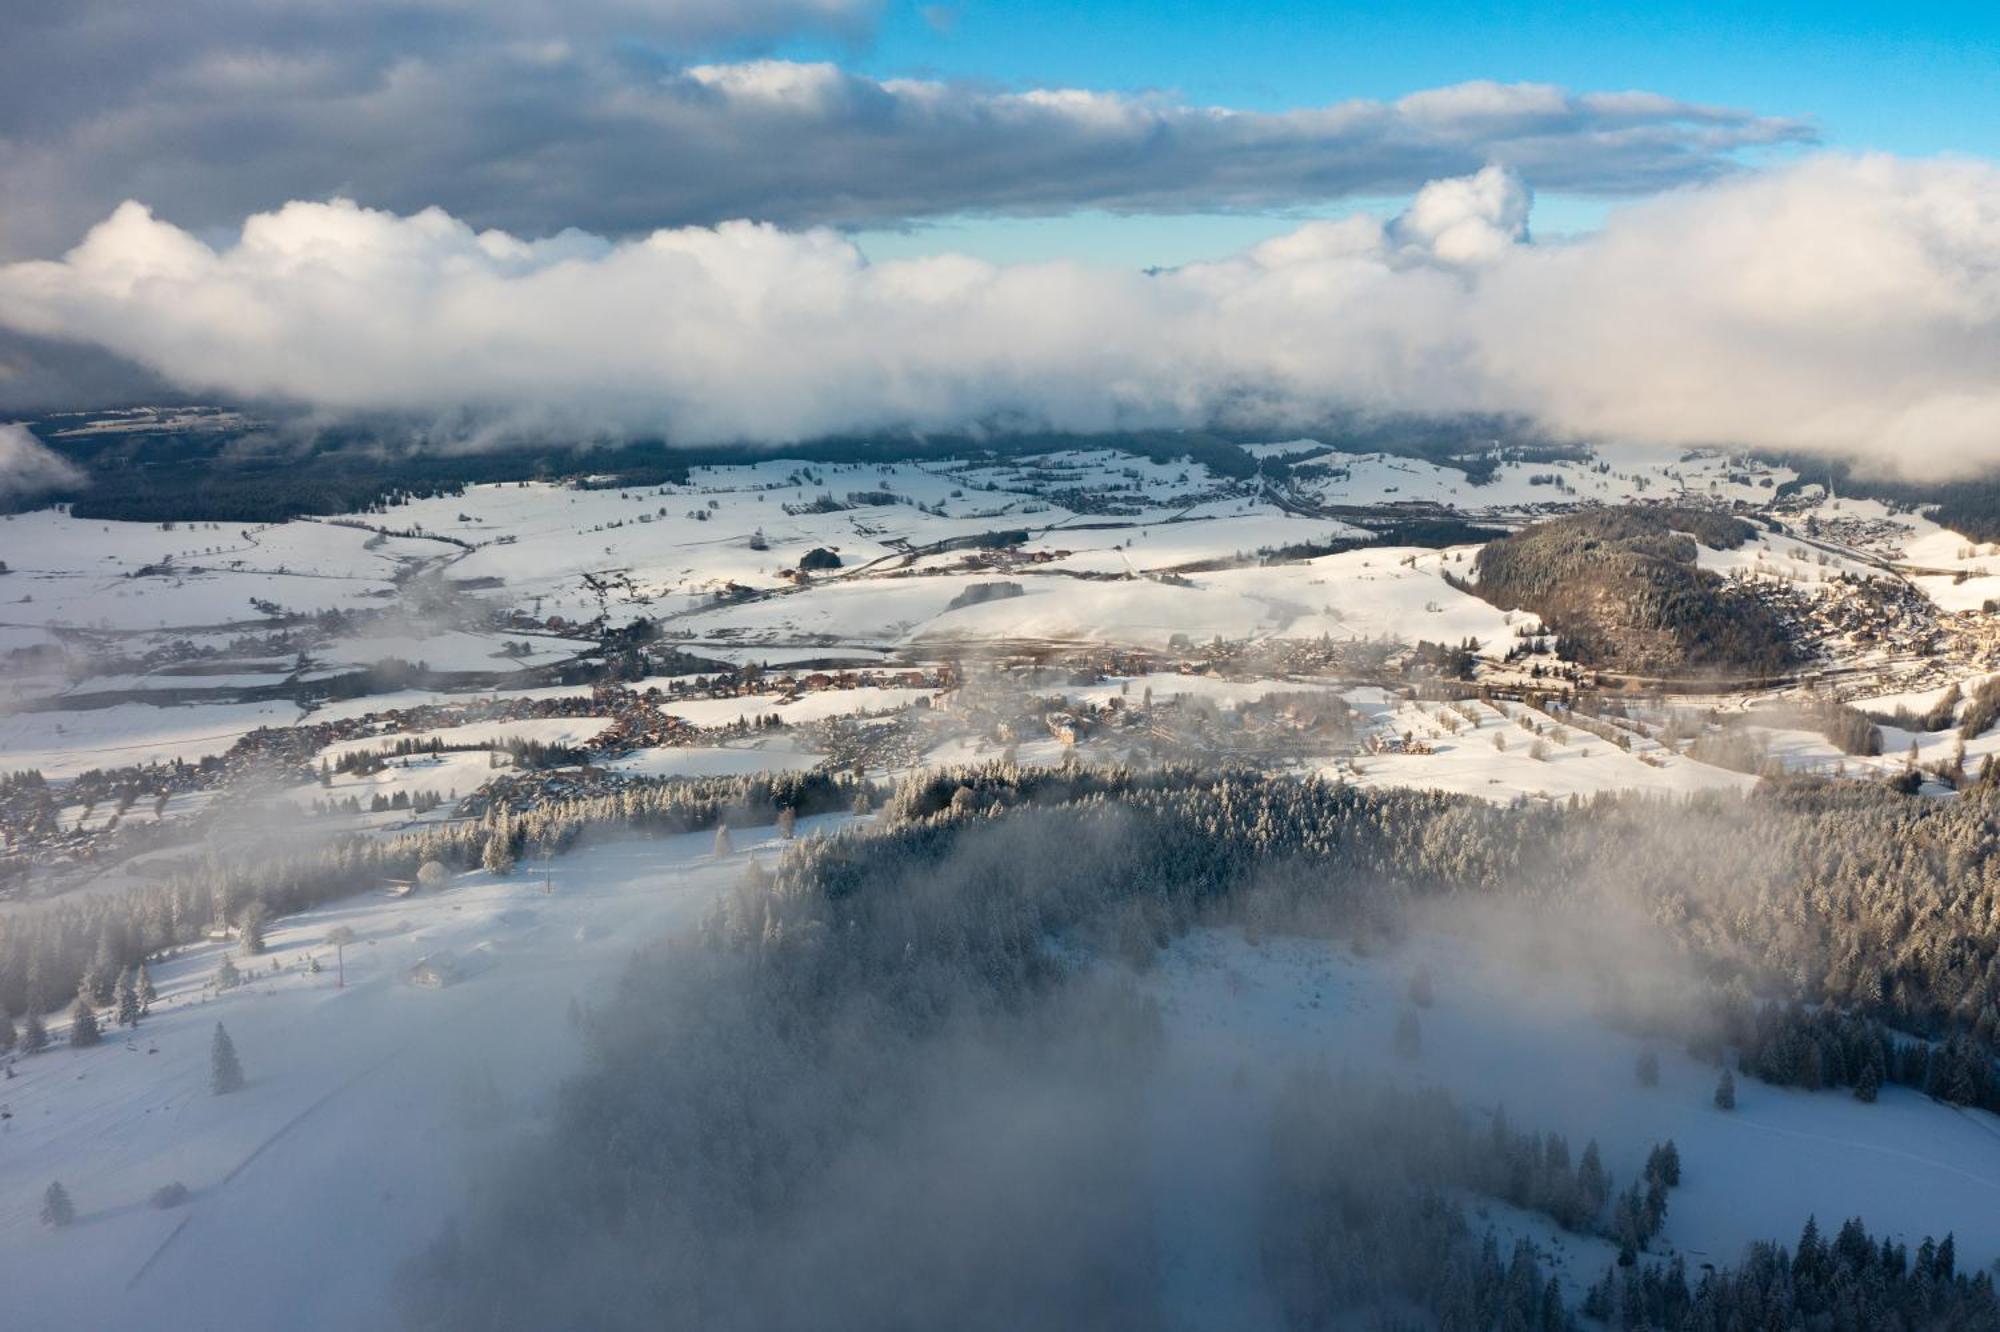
1845 304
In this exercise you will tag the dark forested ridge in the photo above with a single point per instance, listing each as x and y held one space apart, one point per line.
269 473
1621 589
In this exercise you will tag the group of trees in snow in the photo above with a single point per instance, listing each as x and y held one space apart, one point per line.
1363 1209
760 1081
1621 587
49 951
1854 1281
131 999
750 1080
1809 892
1795 1046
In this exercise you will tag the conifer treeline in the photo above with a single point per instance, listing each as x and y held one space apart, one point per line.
1855 1281
1362 1211
48 951
746 1070
1839 893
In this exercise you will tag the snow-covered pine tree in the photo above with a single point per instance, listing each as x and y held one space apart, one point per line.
723 845
253 929
102 974
1725 1092
227 977
34 1036
83 1030
128 1000
57 1209
7 1033
147 994
225 1073
498 857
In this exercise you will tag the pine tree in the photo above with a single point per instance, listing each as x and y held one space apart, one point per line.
83 1023
34 1036
102 973
57 1210
7 1033
225 1074
147 994
1725 1092
1592 1183
498 857
723 846
253 929
227 977
1869 1084
128 1000
788 820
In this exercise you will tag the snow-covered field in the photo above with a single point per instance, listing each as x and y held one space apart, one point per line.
716 760
371 1111
63 744
1239 1017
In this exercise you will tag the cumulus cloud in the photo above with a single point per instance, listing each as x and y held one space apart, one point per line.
1847 304
621 116
30 467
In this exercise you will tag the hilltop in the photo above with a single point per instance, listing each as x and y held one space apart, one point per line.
1623 589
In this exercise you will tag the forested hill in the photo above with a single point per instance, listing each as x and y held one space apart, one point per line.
1622 589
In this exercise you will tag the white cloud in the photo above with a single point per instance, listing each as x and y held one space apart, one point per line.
1849 304
30 467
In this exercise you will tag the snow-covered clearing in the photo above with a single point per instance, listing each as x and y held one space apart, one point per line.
372 1112
1239 1017
1561 762
64 744
716 760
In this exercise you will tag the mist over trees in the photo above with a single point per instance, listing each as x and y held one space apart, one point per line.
779 1116
1366 1206
847 1074
49 952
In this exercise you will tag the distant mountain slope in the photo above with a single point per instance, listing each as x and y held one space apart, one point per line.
1622 590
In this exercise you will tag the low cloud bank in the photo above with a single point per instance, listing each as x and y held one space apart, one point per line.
29 467
1844 304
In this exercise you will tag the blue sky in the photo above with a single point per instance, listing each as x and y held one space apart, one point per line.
1912 79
